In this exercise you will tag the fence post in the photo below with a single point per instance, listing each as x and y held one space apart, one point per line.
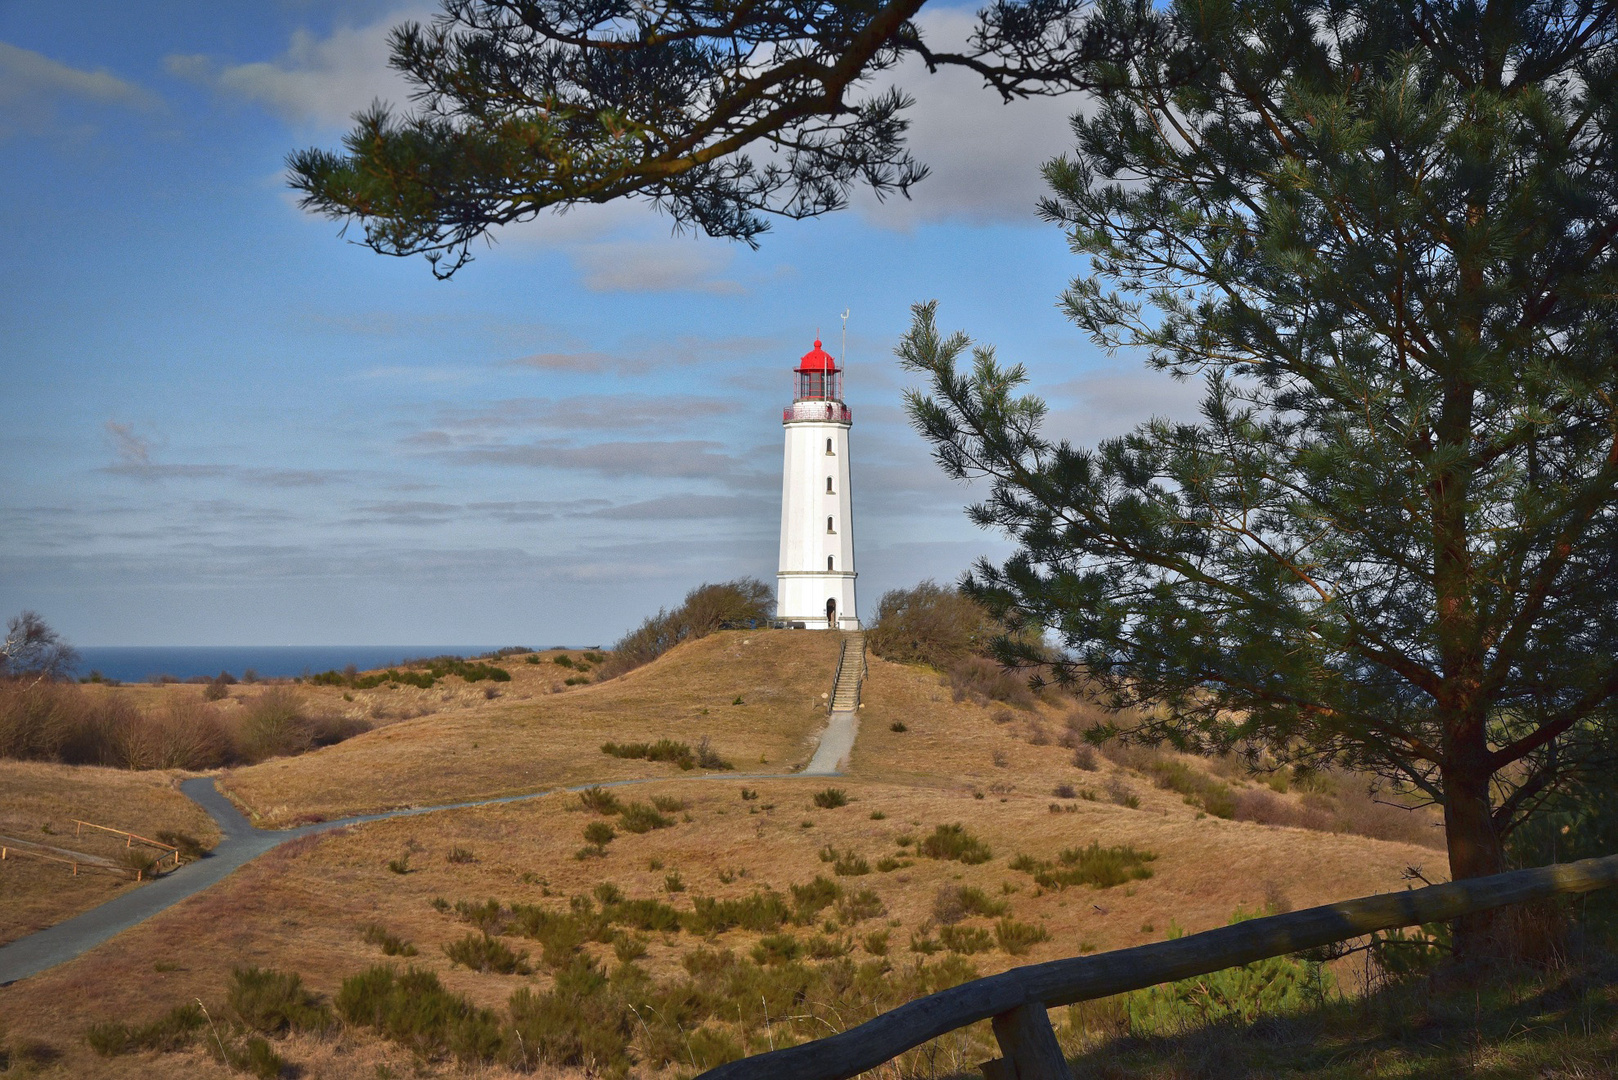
1029 1045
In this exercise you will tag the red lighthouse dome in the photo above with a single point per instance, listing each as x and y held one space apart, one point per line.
817 360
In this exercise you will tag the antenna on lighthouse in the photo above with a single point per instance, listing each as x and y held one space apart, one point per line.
842 356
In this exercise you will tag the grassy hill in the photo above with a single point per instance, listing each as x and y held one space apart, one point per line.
843 896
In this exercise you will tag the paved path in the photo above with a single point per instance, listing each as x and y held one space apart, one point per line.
836 743
240 842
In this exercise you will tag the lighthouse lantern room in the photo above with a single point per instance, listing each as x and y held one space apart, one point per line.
815 585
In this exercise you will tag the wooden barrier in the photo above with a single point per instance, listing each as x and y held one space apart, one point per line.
129 841
1016 1000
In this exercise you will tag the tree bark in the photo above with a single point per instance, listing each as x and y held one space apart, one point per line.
1475 848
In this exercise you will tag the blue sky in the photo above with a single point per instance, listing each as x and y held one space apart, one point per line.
221 424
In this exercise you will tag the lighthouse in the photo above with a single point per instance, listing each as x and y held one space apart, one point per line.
815 585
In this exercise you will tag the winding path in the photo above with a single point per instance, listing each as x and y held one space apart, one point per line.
241 842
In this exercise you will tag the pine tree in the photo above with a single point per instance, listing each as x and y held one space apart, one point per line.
1383 233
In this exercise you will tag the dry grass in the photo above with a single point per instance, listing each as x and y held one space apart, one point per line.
509 747
40 802
300 908
305 907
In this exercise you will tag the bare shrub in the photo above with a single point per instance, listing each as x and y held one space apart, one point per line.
187 734
1084 757
272 724
744 602
930 624
982 680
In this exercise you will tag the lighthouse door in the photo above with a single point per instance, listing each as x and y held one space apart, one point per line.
831 614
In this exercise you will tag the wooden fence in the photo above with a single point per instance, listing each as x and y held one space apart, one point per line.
1016 1001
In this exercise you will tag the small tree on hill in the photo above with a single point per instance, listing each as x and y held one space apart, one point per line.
930 624
1387 235
33 650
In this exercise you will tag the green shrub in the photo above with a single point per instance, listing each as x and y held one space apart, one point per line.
777 949
761 912
898 726
875 943
952 903
488 916
273 1002
708 757
599 833
563 660
954 842
255 1056
858 906
460 856
480 952
1278 985
815 896
645 915
414 1010
599 800
390 944
641 818
579 1024
673 883
708 1048
174 1030
966 939
1017 938
745 602
1096 866
668 803
662 750
831 798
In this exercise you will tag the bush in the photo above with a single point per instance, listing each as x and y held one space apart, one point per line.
929 624
1279 985
745 602
414 1010
272 724
272 1002
579 1024
761 912
966 939
831 798
983 680
1017 938
954 842
858 906
175 1030
480 952
638 817
662 750
952 903
599 800
1096 866
708 757
813 897
390 944
599 833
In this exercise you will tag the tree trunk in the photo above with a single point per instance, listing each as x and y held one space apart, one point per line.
1475 850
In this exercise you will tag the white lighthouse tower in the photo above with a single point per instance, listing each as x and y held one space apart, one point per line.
815 585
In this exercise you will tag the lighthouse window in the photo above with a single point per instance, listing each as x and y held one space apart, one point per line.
828 485
828 526
828 562
828 446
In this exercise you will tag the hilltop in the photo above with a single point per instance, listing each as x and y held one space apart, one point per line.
856 864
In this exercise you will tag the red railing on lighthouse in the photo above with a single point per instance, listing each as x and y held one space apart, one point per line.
834 411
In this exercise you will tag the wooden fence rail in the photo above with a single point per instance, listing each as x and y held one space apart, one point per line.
1016 1000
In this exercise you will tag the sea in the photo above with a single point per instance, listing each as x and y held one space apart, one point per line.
142 663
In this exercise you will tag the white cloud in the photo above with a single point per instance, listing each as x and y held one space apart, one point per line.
33 87
320 80
984 154
1113 401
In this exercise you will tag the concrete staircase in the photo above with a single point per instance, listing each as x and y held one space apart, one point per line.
845 695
